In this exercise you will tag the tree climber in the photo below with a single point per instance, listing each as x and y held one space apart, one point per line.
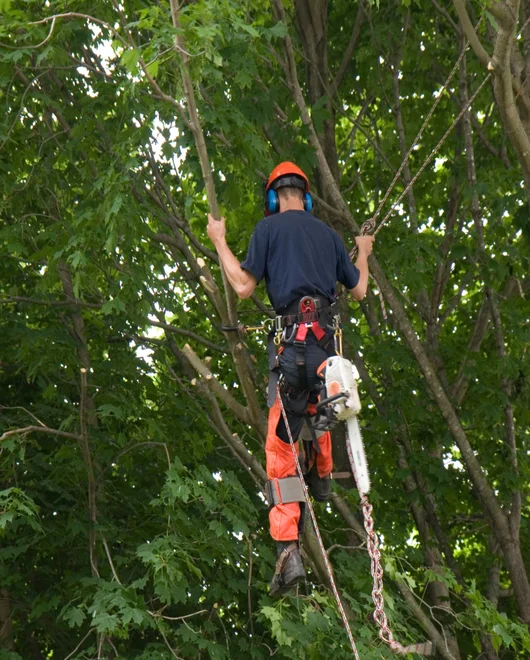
301 259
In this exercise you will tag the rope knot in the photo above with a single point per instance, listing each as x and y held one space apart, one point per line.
368 226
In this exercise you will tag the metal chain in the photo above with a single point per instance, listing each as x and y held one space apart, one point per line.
317 531
372 544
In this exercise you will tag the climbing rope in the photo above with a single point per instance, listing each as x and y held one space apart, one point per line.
420 133
372 542
371 224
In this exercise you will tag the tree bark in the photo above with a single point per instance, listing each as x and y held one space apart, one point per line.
6 624
514 109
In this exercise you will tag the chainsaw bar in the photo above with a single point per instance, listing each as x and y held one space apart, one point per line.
357 455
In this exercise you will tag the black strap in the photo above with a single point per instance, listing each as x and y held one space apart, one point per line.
300 347
327 344
314 439
323 313
306 317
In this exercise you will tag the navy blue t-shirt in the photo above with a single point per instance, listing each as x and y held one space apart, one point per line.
298 255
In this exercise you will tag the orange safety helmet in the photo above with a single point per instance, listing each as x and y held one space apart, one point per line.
285 174
286 169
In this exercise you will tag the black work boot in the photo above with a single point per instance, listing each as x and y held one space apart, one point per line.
319 487
289 568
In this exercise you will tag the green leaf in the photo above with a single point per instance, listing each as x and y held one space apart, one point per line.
152 68
492 20
108 409
129 59
278 31
501 631
74 617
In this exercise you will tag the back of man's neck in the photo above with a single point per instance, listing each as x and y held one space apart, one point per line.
291 205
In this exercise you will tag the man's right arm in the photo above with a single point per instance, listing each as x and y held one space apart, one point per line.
364 245
241 280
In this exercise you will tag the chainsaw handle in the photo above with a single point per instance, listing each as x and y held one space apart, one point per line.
330 399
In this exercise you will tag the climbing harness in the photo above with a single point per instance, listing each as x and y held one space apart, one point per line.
291 327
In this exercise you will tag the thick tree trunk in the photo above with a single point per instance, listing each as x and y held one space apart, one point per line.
312 21
510 81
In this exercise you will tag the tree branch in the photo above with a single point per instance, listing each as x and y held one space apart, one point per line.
50 303
348 52
200 143
438 641
191 335
470 33
39 429
239 410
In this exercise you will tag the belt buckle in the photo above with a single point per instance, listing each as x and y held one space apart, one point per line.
307 304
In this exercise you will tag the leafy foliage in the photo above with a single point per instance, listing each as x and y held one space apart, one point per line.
145 533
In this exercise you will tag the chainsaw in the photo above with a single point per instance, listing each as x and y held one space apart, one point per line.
340 402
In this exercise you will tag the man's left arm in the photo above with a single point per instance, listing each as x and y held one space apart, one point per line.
241 280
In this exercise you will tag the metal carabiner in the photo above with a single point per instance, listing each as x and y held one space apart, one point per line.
337 335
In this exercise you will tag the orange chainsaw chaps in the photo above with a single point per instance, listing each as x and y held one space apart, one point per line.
324 457
283 518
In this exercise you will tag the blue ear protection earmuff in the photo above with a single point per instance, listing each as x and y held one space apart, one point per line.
308 202
272 203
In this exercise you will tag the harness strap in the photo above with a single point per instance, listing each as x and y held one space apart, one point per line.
284 491
305 317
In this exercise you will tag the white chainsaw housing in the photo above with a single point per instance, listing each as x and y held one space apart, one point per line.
340 380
